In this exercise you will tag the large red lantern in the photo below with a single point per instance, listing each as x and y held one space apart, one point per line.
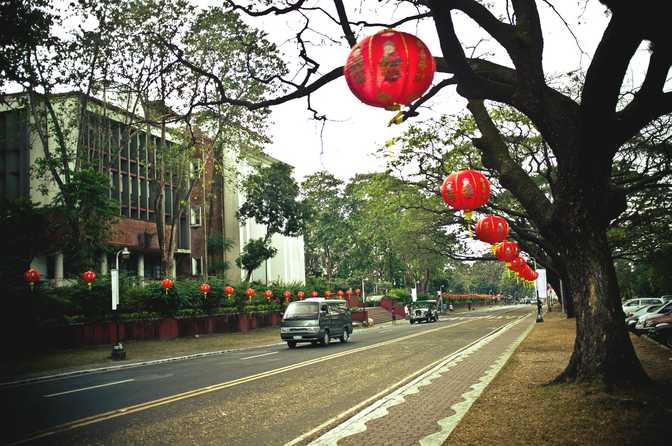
466 190
492 229
328 294
250 293
205 289
166 284
518 264
507 251
358 292
300 295
268 294
88 277
286 294
339 293
348 295
313 294
228 291
32 276
389 69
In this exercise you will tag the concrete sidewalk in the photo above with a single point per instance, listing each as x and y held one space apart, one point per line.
426 410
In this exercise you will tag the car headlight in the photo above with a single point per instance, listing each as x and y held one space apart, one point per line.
284 330
313 329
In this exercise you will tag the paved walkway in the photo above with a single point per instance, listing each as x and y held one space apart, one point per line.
426 410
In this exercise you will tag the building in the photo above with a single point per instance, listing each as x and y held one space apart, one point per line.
121 144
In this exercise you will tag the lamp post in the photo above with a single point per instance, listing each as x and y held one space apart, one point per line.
118 351
540 317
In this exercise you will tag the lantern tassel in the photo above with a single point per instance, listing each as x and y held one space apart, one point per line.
469 215
397 119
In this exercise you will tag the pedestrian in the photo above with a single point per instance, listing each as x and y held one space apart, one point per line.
450 306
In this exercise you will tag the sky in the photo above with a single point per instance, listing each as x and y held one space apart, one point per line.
347 143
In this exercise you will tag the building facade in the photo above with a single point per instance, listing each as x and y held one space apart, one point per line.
121 144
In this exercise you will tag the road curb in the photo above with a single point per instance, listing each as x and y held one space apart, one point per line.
79 372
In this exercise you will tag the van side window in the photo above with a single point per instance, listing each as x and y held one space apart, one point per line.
324 308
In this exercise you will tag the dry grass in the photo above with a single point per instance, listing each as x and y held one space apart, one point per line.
519 409
136 351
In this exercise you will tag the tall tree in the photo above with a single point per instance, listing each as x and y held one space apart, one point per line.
584 137
272 200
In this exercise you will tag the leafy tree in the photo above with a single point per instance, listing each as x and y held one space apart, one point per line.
271 199
583 136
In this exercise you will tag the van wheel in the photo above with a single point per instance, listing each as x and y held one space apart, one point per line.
325 339
291 344
412 321
346 336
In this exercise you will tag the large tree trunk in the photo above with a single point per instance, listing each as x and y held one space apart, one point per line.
602 349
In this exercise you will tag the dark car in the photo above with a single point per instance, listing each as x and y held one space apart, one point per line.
661 329
316 320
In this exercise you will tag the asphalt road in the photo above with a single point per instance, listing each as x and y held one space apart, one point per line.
255 396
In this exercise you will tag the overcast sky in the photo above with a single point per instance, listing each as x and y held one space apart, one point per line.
355 131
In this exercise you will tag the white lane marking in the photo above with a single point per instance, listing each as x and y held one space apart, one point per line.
88 388
379 408
258 356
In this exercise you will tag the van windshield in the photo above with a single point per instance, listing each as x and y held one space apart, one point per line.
301 310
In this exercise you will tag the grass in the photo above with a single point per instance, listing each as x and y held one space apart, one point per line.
60 360
518 408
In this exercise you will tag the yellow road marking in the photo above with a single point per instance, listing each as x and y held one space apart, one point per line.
82 422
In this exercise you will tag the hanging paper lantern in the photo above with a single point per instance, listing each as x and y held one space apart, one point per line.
88 277
300 295
466 190
518 264
228 291
313 294
166 284
286 294
32 276
268 294
358 292
492 229
507 251
205 289
328 294
389 69
339 293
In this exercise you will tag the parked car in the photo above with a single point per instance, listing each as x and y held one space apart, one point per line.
666 297
660 328
640 326
632 319
629 306
423 310
316 320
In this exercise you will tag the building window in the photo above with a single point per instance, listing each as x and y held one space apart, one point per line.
196 266
196 215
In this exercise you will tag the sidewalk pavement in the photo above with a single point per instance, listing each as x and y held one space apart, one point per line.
426 410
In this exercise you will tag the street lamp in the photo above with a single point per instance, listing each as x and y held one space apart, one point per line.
540 317
118 351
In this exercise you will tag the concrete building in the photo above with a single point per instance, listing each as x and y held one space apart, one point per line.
122 145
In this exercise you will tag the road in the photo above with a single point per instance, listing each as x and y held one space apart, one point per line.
254 396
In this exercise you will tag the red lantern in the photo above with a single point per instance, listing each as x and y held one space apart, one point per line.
205 289
88 277
507 251
268 294
466 190
250 293
166 284
286 294
358 292
389 69
492 229
328 294
300 295
32 276
518 264
228 291
313 294
339 293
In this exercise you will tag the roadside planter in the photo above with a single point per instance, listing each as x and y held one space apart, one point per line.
101 333
360 316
